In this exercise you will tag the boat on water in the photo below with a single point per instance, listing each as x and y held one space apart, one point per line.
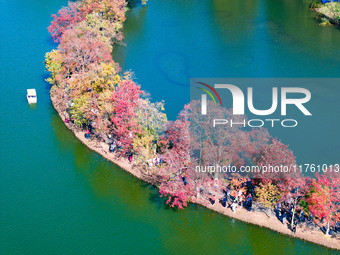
31 96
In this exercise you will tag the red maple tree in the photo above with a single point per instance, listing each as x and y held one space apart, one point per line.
124 125
176 181
80 49
66 18
325 197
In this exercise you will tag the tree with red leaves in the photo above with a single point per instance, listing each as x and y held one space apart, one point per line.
177 189
324 200
287 185
124 124
275 154
176 181
66 18
80 49
223 145
294 189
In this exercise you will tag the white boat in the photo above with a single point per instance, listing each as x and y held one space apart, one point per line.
31 96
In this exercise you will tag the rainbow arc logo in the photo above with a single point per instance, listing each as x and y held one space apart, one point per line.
204 97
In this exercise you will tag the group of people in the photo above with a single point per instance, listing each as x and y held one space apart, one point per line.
114 145
87 132
285 213
156 161
236 201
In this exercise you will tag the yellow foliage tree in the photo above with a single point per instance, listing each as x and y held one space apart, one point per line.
267 194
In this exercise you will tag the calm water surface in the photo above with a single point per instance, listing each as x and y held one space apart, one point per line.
58 197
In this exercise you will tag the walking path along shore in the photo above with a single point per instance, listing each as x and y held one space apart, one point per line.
253 217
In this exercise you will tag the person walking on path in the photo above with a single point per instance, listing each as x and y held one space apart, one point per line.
278 209
233 206
239 193
294 227
302 215
228 194
213 200
240 200
290 209
225 201
87 134
113 146
236 200
284 218
250 204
